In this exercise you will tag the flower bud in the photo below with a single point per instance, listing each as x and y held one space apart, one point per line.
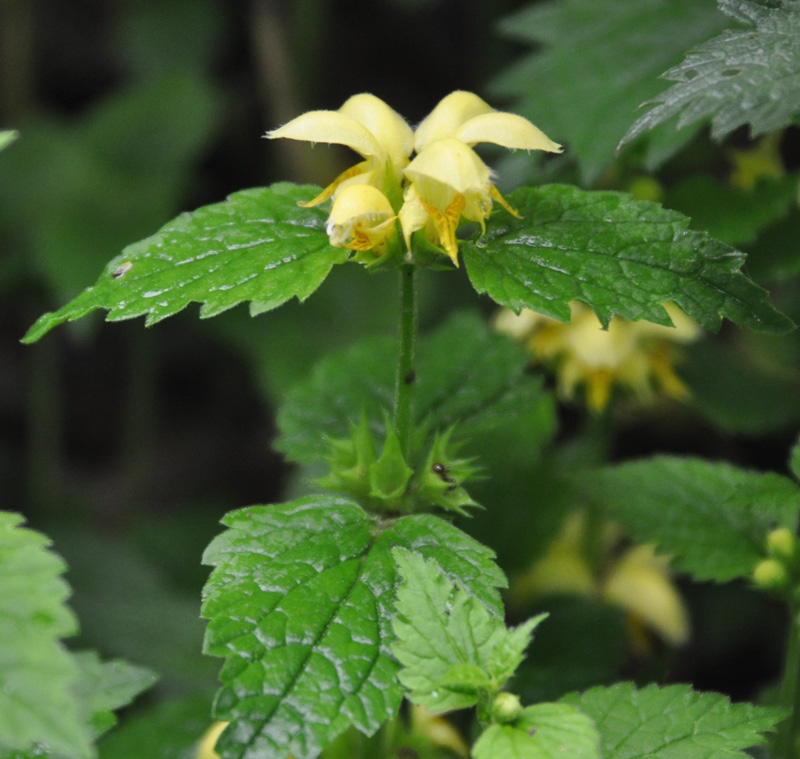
506 708
770 574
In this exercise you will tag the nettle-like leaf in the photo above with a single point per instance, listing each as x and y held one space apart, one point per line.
37 674
662 723
712 517
104 686
616 254
451 647
257 246
598 61
742 76
543 731
465 373
300 604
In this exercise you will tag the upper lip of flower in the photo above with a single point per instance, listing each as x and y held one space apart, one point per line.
364 123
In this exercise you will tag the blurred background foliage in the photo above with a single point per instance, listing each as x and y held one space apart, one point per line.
127 446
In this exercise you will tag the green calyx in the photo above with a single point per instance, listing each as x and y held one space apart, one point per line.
386 482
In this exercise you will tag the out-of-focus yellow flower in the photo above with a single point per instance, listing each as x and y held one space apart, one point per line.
448 179
437 730
205 749
367 125
637 580
636 355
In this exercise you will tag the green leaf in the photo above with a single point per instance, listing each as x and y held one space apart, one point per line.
300 604
662 723
103 687
465 374
446 639
543 731
597 61
732 215
257 246
36 673
713 517
742 76
617 255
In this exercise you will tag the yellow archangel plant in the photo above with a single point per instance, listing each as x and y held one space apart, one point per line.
638 356
444 182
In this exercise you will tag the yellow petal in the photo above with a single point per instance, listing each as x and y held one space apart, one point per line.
451 163
507 130
640 583
450 113
330 127
384 123
361 218
413 215
205 749
446 224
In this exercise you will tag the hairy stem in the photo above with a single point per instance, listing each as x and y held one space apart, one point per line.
406 359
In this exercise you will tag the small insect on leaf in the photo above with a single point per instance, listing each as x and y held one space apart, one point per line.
122 270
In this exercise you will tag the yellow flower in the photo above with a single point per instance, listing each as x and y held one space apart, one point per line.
636 355
448 179
361 219
367 125
637 580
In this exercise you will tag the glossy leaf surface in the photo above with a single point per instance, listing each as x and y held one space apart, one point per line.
743 76
300 604
257 246
616 254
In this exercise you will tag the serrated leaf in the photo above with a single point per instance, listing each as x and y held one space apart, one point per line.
543 731
257 246
446 638
465 373
300 604
104 686
661 723
713 517
598 61
742 76
36 673
617 255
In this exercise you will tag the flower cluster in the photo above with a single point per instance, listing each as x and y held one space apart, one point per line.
432 191
638 355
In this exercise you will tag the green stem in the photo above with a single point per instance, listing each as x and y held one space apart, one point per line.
789 730
406 359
